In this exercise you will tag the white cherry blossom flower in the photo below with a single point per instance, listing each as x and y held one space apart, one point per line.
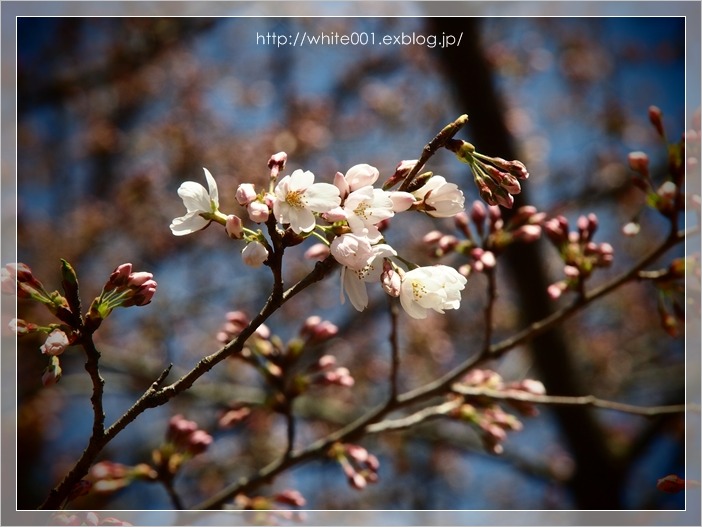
297 197
361 262
436 287
254 254
55 343
365 208
197 201
440 198
351 250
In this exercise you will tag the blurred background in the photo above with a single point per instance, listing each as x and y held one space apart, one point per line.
115 113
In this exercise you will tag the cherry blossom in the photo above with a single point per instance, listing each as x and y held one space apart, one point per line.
254 254
198 201
55 344
437 287
353 279
297 197
440 198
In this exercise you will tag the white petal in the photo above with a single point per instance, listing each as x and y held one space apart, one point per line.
322 197
188 224
300 180
355 289
195 197
412 308
361 175
301 220
212 184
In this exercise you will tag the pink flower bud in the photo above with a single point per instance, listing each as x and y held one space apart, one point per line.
335 214
638 161
278 160
432 237
254 254
324 331
631 229
478 213
401 201
245 194
667 190
361 175
671 484
343 185
237 317
52 373
258 212
22 327
263 332
234 227
556 290
357 481
391 282
55 344
326 361
143 295
139 279
319 251
448 242
528 233
655 115
120 276
290 497
198 442
488 259
571 271
233 416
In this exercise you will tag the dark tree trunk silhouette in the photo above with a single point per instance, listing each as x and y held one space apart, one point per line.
596 483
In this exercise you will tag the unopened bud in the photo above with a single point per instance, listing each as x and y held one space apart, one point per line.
631 229
278 161
234 227
638 161
655 115
55 344
527 233
319 251
254 254
245 194
52 373
258 212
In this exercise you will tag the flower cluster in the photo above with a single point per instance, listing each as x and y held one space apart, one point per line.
359 466
124 288
580 254
348 216
269 355
482 411
184 440
108 476
667 196
497 179
485 235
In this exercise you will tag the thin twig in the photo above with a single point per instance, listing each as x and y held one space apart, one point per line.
432 146
394 350
561 400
